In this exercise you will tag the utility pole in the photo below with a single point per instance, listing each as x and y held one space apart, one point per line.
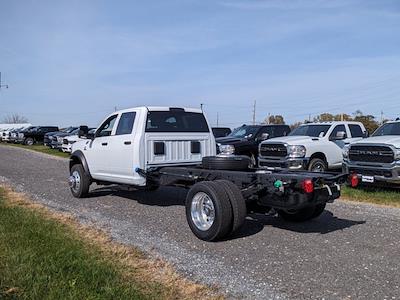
381 117
2 85
201 106
115 108
217 119
254 113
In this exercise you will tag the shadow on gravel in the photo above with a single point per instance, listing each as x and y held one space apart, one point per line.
164 196
325 223
170 196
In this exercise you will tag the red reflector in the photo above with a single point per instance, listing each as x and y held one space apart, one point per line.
308 186
354 181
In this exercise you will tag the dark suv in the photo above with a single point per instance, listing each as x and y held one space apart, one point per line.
244 140
37 135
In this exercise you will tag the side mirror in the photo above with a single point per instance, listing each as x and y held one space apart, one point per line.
340 135
366 134
264 136
83 131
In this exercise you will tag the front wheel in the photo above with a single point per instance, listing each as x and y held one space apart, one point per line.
79 181
317 165
29 141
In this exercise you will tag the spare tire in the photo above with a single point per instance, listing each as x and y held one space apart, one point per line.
231 162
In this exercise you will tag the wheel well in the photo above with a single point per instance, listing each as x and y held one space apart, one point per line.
74 161
319 155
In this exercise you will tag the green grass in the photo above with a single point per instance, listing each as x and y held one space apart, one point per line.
41 148
41 258
373 195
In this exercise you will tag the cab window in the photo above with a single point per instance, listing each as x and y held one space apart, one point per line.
356 131
125 123
337 129
106 128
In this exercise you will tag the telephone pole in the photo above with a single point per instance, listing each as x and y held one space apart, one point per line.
2 85
381 117
217 119
254 113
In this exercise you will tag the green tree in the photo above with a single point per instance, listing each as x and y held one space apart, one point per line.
275 119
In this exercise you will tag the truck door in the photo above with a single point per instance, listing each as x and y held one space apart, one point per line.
121 158
336 155
97 152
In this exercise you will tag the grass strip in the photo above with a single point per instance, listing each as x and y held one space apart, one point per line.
45 255
388 197
42 149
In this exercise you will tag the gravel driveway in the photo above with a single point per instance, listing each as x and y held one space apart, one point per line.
351 251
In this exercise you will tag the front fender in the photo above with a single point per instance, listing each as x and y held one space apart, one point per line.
78 157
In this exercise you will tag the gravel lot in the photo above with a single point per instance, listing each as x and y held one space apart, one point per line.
351 251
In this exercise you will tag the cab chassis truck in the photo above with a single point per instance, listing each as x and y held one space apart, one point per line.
221 189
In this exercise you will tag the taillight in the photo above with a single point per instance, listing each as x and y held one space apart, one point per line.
308 186
354 181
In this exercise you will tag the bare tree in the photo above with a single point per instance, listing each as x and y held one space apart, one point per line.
15 119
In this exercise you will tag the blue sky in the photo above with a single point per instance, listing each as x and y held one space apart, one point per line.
72 62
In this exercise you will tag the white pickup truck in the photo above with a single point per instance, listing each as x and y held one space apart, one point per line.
148 147
376 159
316 147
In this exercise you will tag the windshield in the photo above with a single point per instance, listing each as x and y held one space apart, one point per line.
311 130
388 129
244 132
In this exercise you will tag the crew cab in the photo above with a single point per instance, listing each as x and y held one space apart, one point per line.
376 160
36 135
316 147
245 140
149 147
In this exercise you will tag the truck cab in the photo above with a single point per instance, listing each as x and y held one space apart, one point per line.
245 140
316 147
144 138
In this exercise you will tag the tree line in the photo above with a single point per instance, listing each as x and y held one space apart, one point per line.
369 121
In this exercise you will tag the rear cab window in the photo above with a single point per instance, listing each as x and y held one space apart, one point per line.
125 124
176 121
356 130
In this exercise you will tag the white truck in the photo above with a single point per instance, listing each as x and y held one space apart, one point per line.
316 147
376 160
148 147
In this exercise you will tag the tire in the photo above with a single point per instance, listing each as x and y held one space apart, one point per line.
29 141
317 165
301 215
202 195
80 190
319 209
233 163
238 204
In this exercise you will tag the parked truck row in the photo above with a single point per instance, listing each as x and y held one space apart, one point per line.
253 168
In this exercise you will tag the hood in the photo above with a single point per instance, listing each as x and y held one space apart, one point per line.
72 137
294 140
230 140
382 139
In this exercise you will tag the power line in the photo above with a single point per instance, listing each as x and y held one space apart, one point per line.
254 113
2 85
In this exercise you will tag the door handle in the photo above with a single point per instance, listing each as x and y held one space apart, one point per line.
127 142
104 144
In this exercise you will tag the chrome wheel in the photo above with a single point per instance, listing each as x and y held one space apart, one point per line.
202 211
75 182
